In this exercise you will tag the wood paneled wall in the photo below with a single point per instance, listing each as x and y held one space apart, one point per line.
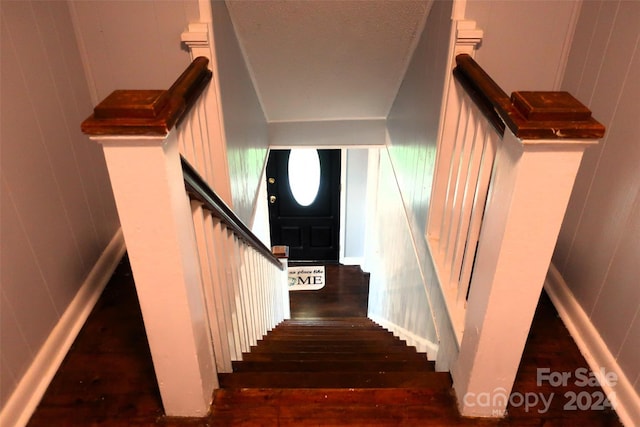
58 213
526 41
598 252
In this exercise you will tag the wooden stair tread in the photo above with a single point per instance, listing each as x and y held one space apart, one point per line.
434 380
351 348
330 396
354 322
333 353
308 330
338 339
331 344
334 365
322 339
332 357
335 407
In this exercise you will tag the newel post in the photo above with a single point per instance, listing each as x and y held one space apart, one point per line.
534 170
141 152
282 253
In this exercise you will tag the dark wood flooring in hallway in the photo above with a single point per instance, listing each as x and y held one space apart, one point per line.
107 378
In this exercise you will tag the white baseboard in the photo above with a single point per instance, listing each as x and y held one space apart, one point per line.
593 347
352 260
34 383
423 345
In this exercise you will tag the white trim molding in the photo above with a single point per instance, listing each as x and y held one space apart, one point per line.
595 351
421 344
351 260
34 383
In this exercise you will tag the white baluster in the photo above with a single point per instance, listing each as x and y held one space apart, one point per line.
479 201
220 311
237 283
226 288
467 190
250 319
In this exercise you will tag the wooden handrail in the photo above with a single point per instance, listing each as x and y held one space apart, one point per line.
149 112
529 115
199 190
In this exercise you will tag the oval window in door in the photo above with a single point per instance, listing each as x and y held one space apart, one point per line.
304 175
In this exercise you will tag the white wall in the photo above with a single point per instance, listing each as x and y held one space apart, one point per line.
397 297
598 252
525 42
413 119
132 44
244 122
58 213
413 129
326 133
355 187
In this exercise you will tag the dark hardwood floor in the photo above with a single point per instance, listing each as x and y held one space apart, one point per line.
107 378
345 295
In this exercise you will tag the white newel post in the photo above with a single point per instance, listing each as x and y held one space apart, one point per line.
530 187
158 229
282 253
138 133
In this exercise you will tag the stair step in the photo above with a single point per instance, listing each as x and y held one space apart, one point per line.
334 407
338 339
334 350
321 356
330 396
432 380
351 322
328 345
308 329
330 335
339 365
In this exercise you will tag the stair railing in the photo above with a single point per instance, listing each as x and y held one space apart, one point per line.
504 174
243 280
208 288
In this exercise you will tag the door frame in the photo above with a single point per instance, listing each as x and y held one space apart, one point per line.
260 217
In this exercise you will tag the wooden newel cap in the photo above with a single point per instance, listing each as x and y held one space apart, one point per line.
550 115
149 112
280 251
530 116
132 103
550 106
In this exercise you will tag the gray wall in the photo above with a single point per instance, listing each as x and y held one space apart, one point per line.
57 211
244 122
598 252
133 44
397 254
525 42
356 202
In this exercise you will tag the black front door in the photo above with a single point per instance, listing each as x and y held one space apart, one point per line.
308 225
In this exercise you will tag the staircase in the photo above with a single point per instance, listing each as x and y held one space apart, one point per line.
332 371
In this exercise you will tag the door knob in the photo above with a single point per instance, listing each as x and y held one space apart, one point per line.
272 199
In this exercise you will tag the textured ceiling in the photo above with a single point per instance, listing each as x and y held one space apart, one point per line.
321 60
